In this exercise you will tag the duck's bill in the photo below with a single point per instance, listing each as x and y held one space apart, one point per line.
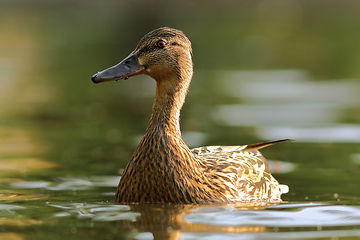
126 68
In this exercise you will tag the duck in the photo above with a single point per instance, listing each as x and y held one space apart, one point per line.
163 169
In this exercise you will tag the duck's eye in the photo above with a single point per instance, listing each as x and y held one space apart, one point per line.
161 43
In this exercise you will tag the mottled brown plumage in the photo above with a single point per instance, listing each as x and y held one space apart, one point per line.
162 168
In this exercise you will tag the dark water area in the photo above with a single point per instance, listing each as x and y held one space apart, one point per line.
264 70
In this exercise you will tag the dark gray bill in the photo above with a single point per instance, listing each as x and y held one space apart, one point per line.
126 68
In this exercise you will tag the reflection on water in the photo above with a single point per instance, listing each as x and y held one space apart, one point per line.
247 220
303 235
95 212
284 103
313 133
308 216
63 184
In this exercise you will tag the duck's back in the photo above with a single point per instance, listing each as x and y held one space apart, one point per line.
238 173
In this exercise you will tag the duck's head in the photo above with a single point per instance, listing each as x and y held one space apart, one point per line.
163 54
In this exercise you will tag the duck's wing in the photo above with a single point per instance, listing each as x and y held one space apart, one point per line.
239 172
257 146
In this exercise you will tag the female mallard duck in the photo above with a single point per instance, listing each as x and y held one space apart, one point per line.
163 169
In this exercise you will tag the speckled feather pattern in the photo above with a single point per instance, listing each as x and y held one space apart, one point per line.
205 174
241 175
163 169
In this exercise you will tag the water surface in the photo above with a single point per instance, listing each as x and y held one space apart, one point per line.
263 70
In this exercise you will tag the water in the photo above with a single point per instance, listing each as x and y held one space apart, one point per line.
76 207
82 207
287 70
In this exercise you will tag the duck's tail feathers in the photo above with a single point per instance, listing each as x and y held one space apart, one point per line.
257 146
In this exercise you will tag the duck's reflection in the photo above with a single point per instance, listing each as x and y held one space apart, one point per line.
166 221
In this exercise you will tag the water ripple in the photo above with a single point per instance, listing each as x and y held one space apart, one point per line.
95 212
280 235
79 183
313 216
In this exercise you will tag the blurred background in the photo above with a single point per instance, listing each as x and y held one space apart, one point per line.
263 70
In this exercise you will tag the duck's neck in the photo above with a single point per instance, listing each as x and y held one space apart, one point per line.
169 99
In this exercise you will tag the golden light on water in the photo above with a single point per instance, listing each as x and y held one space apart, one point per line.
25 164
